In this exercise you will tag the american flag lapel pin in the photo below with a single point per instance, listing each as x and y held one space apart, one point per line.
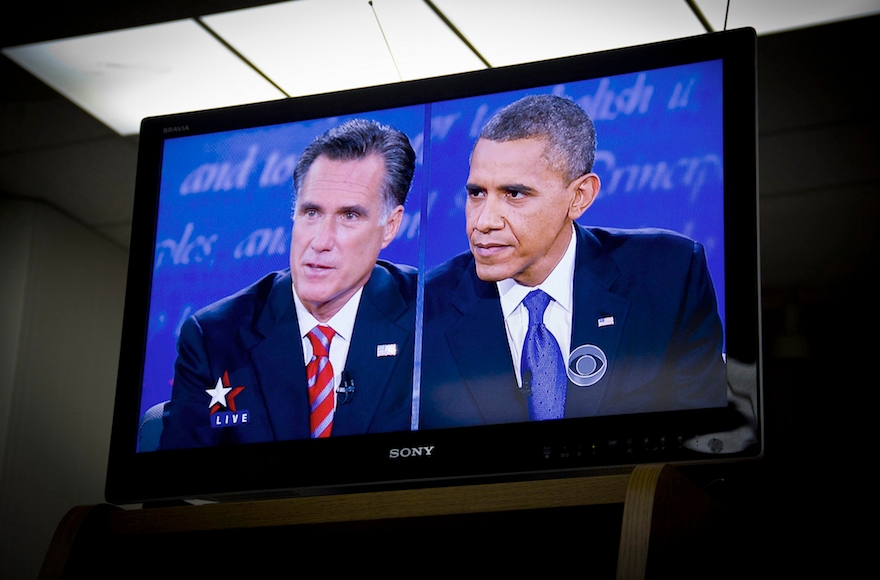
606 321
386 350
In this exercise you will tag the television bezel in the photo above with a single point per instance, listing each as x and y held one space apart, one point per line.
537 449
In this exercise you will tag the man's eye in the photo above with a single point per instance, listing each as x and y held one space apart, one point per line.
516 194
349 216
310 213
476 193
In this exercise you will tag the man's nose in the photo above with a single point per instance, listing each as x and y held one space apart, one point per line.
490 216
325 235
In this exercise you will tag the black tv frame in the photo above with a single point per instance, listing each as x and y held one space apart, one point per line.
541 449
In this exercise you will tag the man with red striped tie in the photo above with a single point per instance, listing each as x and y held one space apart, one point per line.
324 348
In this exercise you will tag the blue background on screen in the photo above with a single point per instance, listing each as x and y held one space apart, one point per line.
225 199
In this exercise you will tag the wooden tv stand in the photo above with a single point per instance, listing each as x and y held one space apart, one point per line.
652 522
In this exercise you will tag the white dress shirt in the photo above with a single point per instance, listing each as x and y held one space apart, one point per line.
342 324
559 285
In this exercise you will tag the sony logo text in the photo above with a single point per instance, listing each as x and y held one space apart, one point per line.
423 451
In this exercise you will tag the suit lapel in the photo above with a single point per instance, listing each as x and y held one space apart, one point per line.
479 346
595 273
380 321
283 385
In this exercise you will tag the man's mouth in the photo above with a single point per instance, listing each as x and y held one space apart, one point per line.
488 249
317 268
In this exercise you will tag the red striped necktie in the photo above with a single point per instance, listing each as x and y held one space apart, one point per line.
320 375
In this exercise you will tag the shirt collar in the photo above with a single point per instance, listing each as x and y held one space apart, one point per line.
558 283
342 322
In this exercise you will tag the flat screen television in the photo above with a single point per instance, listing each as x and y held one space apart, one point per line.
658 367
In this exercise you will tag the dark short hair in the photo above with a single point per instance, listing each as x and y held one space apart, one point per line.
357 139
569 131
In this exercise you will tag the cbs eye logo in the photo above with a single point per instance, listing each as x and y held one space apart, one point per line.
586 365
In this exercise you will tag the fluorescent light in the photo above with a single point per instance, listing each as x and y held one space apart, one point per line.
123 76
514 31
422 44
767 16
316 46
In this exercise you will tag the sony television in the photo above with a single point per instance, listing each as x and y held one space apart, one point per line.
214 224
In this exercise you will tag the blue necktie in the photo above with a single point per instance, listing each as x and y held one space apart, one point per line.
542 359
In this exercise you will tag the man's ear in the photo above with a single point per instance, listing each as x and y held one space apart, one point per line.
392 225
584 189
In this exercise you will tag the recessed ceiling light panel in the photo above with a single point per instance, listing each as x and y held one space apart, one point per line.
120 77
515 31
768 16
318 46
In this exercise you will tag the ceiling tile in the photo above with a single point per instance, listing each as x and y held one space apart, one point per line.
123 76
768 16
513 31
316 46
422 44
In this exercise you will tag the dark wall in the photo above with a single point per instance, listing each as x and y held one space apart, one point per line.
819 201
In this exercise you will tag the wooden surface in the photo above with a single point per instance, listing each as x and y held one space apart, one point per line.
467 499
637 526
670 527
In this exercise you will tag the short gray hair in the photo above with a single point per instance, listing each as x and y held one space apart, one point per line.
357 139
567 128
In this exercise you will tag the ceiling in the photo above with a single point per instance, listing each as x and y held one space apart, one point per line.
52 150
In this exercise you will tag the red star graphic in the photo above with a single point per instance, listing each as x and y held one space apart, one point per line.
230 398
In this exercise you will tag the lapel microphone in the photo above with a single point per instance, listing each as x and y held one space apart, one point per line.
345 391
526 388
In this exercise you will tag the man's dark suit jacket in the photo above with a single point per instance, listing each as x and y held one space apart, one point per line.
253 336
663 349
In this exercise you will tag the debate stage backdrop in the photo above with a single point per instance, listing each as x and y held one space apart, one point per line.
225 199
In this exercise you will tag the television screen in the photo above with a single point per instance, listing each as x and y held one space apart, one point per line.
534 270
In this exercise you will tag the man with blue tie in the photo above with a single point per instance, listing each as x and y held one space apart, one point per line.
324 348
546 319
